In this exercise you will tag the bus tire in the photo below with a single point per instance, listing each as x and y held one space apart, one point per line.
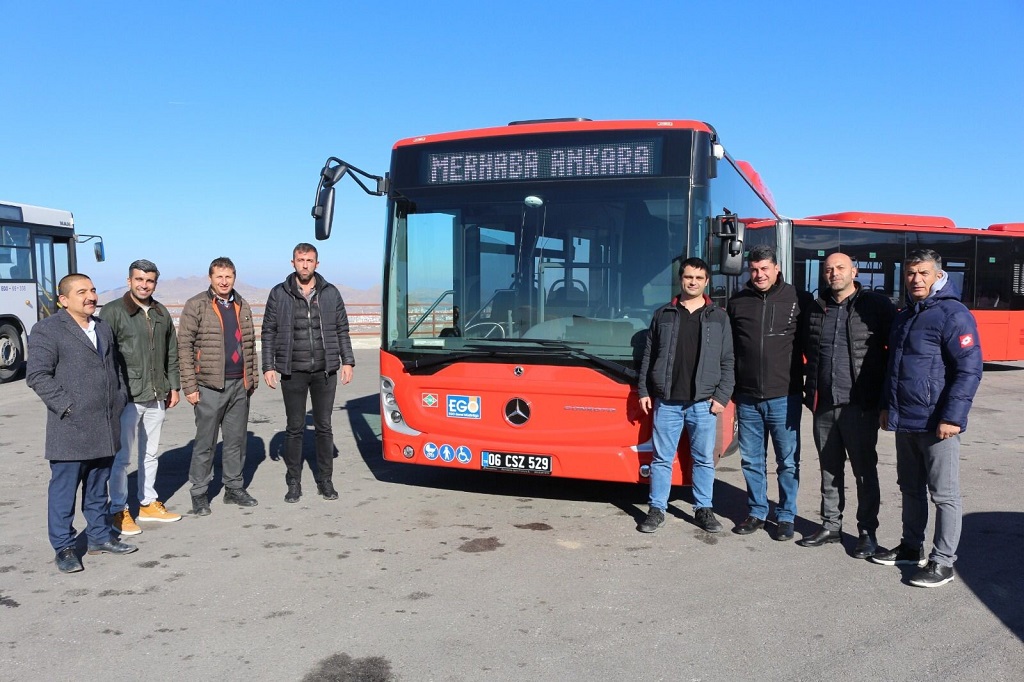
12 353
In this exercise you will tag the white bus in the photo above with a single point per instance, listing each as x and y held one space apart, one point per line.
37 248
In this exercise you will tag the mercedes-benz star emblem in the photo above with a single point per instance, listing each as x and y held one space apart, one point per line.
517 412
518 371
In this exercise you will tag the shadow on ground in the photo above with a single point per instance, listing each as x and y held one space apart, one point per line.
988 561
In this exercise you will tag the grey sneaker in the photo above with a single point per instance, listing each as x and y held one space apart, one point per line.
655 520
705 518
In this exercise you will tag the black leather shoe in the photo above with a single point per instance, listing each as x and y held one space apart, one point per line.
866 546
67 561
240 497
112 547
822 537
326 488
749 525
784 531
294 491
200 505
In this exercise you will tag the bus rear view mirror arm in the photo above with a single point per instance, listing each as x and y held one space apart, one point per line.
731 231
332 172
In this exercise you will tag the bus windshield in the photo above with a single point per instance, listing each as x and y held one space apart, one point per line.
508 268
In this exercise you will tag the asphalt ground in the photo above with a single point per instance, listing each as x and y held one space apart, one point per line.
418 573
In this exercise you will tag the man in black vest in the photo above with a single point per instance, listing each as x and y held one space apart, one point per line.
845 341
306 340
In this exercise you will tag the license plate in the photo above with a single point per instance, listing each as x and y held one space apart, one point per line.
510 461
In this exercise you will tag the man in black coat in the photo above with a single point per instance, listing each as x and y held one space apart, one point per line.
765 317
845 338
305 339
72 366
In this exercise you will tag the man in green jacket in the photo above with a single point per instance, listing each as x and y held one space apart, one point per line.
149 362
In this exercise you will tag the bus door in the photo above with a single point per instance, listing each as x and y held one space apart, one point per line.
49 268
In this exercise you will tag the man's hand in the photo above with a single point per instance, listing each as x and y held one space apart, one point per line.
270 376
947 430
717 408
192 398
172 398
346 374
883 420
645 405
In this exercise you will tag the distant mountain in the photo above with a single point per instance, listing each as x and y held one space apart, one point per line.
180 289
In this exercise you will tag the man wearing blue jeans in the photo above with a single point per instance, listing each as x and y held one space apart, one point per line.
688 369
935 365
765 317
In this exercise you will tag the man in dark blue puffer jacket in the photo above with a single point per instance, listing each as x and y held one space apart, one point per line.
934 371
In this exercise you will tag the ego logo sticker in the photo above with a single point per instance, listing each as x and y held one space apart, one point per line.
463 406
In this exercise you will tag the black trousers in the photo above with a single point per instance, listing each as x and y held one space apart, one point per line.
321 388
848 431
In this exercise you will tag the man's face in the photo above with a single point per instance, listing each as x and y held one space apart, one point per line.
142 285
920 278
693 282
223 281
305 265
763 274
840 274
81 298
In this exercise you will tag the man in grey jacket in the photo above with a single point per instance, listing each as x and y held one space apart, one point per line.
72 367
305 339
688 370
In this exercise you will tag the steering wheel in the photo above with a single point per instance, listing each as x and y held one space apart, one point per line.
560 284
492 329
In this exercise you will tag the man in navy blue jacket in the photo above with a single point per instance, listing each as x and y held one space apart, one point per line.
934 371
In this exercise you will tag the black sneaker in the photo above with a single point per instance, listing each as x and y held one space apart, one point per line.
294 491
655 520
326 488
932 575
705 518
904 555
240 497
200 505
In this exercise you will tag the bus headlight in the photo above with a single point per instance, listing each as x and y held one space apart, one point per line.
408 452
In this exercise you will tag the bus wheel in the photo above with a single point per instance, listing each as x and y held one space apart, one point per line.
12 355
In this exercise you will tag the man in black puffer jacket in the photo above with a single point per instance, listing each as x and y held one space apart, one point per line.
306 340
766 316
845 338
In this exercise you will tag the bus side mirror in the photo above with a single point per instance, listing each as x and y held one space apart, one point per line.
323 212
98 251
731 231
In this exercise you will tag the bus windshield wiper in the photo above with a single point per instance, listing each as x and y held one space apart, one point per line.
609 366
421 364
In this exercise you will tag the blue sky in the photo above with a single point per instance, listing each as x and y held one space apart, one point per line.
188 130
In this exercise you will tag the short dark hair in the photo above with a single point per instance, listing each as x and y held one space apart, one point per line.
305 247
222 262
924 256
762 252
64 285
697 263
143 265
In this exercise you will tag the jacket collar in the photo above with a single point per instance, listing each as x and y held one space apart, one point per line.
132 307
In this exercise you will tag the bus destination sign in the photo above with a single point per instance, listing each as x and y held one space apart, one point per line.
623 159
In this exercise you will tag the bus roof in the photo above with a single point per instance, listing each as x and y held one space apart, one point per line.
27 213
900 220
554 126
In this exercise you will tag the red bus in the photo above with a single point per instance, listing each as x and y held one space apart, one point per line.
986 264
522 266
